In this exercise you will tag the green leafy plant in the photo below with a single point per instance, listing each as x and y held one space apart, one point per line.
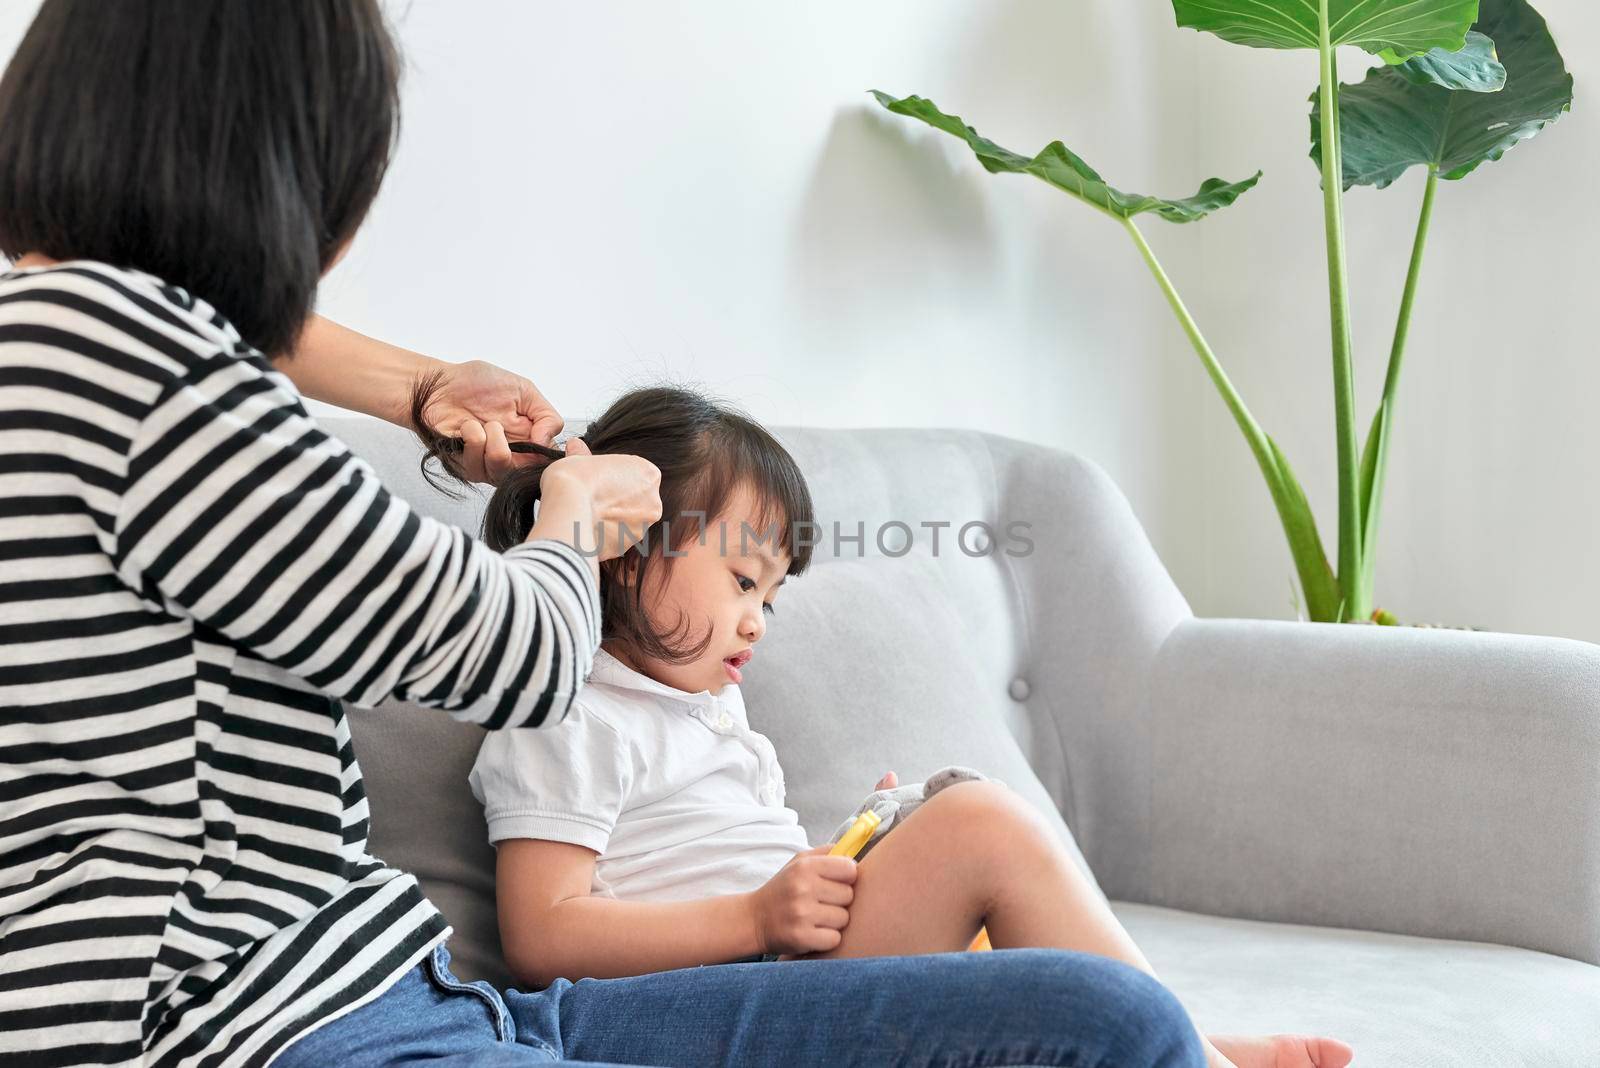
1460 85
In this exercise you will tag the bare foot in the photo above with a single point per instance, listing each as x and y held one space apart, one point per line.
1281 1051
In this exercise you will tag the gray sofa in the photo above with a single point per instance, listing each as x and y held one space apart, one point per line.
1387 835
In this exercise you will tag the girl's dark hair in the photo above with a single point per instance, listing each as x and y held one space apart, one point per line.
229 147
705 451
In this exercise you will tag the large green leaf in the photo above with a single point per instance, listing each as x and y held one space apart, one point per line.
1388 123
1401 27
1474 68
1059 166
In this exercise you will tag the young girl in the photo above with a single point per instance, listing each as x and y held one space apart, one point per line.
648 832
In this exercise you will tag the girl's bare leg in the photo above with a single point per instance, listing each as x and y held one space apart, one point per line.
977 855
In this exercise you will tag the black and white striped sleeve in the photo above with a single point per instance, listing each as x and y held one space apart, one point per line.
238 511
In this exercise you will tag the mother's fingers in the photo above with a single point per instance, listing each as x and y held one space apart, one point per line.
473 438
545 428
497 460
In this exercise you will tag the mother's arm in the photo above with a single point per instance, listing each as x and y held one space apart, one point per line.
485 405
237 511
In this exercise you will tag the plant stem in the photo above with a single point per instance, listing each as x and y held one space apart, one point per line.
1374 457
1230 396
1355 604
1311 563
1402 327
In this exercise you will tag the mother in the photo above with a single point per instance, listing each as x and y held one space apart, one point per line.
192 573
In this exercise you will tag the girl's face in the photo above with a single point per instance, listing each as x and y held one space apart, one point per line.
723 581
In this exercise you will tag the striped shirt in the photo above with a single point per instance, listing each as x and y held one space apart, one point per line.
192 577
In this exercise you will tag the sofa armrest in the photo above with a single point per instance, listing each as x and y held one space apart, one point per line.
1426 782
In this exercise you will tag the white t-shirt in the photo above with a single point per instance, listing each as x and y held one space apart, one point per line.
677 794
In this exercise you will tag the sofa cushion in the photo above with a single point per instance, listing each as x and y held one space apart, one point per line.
424 820
1401 1002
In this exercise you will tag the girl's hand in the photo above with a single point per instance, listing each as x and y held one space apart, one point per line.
888 782
488 408
803 908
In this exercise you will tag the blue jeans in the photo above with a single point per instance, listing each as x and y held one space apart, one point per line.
1010 1007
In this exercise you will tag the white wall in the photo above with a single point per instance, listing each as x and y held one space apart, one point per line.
605 193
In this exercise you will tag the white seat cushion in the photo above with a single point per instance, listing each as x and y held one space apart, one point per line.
1401 1002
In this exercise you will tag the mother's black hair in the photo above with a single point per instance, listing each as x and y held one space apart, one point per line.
705 451
230 147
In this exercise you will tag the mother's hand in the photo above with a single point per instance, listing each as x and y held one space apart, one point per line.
600 505
476 401
488 408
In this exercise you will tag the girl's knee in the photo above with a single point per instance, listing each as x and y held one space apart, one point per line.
985 811
984 831
974 798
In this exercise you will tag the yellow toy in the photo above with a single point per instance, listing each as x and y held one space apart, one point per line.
856 837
